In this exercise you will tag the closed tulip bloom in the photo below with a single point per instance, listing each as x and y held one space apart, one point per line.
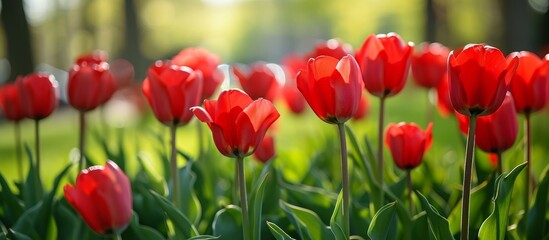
479 76
407 143
10 102
205 61
103 197
429 64
171 91
266 149
496 132
237 122
384 61
39 94
90 84
332 87
529 84
95 57
291 95
259 82
333 48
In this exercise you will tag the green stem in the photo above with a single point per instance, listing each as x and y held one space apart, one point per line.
345 179
200 134
527 158
410 190
467 178
430 107
380 145
117 236
235 185
243 199
17 129
81 141
37 146
173 167
500 167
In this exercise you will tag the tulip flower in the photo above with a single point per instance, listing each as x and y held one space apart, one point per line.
384 61
171 91
529 90
259 82
429 64
103 197
479 77
333 89
444 104
408 143
363 109
265 150
90 85
39 95
10 104
333 48
238 126
205 61
497 132
291 95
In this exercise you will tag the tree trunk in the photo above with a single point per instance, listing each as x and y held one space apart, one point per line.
18 39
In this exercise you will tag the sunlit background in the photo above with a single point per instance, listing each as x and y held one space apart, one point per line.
250 30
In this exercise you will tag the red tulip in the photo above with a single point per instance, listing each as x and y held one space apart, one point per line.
103 197
479 77
260 82
429 64
237 122
90 84
384 61
496 132
333 48
39 95
205 61
408 143
363 108
10 102
444 104
266 150
529 84
171 91
332 87
291 95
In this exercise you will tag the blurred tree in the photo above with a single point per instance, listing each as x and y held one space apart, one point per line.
18 39
131 50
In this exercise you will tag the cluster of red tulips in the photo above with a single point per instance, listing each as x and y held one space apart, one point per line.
479 85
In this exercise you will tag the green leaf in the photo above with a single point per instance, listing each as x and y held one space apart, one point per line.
184 229
228 223
308 222
17 235
480 198
32 189
495 226
68 224
278 233
151 178
319 200
189 204
438 225
420 229
141 232
536 222
203 237
11 206
383 222
337 219
256 201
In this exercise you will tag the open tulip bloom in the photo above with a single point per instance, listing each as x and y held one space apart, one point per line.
479 76
238 126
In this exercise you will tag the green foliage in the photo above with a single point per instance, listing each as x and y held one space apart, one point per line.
383 224
537 215
438 225
495 226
